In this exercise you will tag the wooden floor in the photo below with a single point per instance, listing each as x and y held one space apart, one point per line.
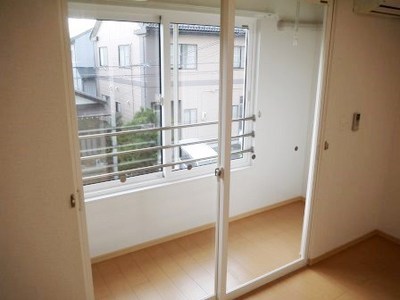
184 268
368 271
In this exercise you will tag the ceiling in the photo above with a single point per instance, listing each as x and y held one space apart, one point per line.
284 9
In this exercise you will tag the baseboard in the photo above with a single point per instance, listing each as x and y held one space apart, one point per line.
313 261
388 237
266 208
150 243
171 237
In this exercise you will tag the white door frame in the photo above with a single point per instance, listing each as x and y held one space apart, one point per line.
227 37
75 150
226 67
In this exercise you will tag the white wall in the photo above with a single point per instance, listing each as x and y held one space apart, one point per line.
41 249
286 82
363 77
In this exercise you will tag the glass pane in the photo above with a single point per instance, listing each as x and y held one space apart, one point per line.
239 92
267 200
195 81
123 61
117 88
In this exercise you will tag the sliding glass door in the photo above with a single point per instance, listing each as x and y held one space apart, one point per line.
196 136
269 203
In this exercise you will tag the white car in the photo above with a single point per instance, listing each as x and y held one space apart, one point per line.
203 153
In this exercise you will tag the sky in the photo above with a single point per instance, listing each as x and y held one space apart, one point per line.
77 26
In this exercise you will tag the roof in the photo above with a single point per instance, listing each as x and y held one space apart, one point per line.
206 29
82 98
183 28
80 35
95 29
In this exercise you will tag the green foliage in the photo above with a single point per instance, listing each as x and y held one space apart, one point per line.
145 118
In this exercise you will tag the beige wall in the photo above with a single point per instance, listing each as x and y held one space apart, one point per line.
363 77
41 254
390 214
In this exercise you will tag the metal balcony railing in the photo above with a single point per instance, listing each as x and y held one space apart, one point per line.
114 169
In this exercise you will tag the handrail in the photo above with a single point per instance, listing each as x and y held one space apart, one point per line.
157 148
148 168
142 130
117 146
115 128
96 169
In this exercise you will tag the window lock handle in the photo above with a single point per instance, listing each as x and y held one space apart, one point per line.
219 172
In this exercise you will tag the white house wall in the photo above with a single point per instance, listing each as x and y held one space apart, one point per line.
287 75
200 88
127 94
85 58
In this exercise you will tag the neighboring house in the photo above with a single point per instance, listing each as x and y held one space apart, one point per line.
124 69
127 65
94 113
89 106
83 63
88 102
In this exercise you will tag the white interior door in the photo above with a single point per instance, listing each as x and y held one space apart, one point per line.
43 242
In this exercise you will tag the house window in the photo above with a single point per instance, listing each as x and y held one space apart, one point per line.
124 55
239 57
129 132
118 107
190 116
103 56
235 111
89 86
187 56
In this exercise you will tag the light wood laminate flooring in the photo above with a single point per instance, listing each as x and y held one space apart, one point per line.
184 268
369 270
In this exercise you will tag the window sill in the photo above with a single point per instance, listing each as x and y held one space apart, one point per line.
131 188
